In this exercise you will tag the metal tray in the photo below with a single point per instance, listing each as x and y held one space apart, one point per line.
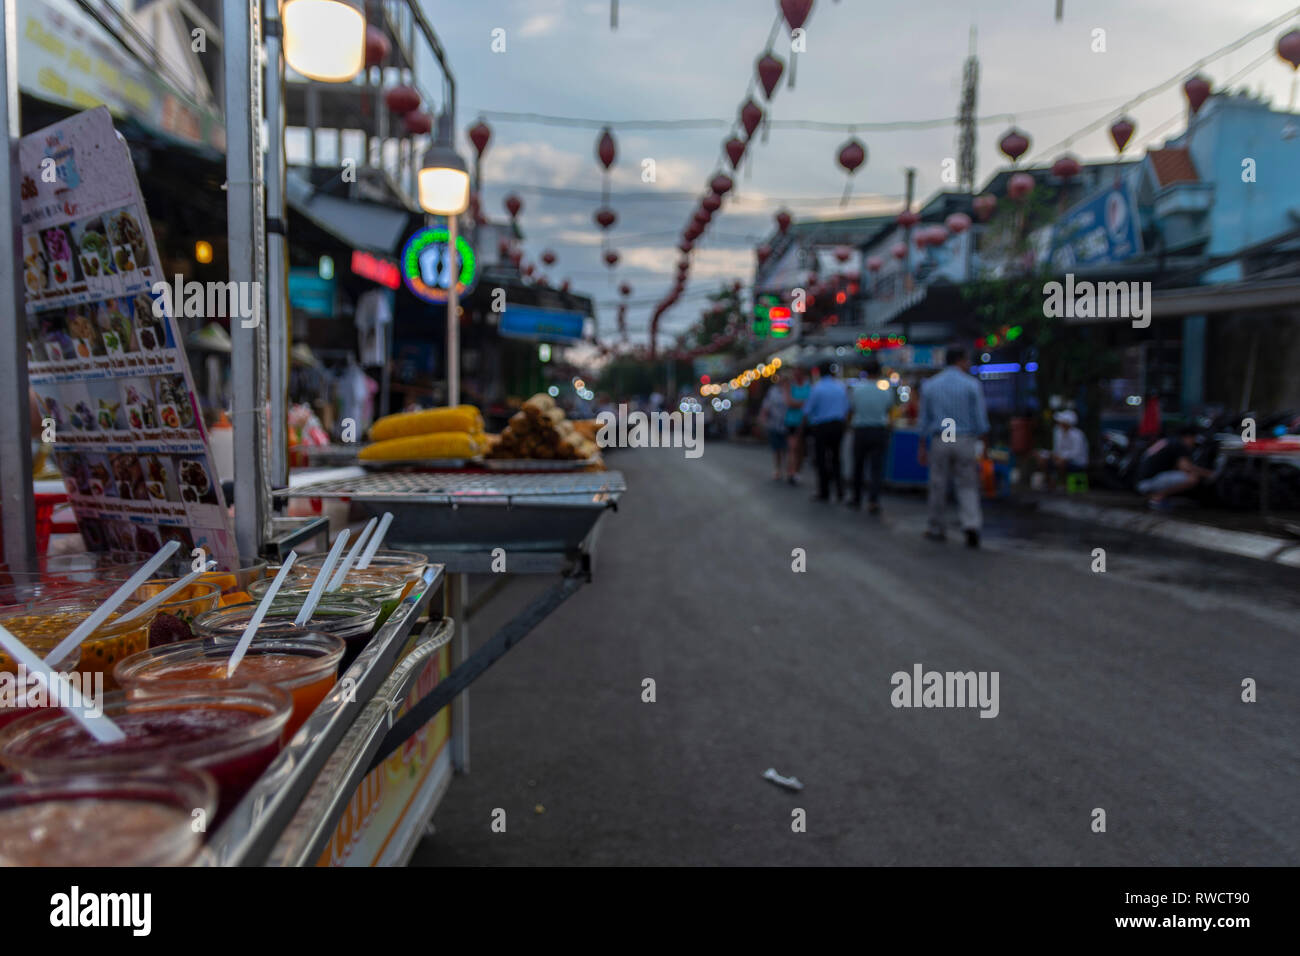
476 510
434 464
538 464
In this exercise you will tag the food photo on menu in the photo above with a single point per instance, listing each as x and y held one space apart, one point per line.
84 333
107 404
160 480
55 341
141 409
130 252
151 329
94 253
63 263
113 319
195 480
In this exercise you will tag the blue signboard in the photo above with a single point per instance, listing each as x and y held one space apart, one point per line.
1102 229
310 294
540 325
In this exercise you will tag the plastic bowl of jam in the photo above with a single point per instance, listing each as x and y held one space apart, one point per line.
231 729
234 585
304 664
346 616
11 710
139 818
410 564
49 622
385 588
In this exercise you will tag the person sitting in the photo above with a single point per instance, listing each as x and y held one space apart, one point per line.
1167 469
1069 448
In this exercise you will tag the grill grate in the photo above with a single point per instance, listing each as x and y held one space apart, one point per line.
601 486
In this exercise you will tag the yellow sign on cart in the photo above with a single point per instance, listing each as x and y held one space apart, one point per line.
378 820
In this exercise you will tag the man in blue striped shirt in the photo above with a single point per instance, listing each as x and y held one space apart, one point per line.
953 420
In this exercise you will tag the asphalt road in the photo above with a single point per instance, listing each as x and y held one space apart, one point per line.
1118 690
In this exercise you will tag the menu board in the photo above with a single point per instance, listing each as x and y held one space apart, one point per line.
104 353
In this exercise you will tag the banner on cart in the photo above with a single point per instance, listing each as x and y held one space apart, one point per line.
377 811
105 355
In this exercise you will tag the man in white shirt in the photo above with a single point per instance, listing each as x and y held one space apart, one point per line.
1069 446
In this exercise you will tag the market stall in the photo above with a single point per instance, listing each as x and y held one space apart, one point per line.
356 691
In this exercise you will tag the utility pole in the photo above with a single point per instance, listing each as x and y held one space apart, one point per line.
970 82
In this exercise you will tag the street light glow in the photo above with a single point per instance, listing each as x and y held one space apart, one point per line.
324 39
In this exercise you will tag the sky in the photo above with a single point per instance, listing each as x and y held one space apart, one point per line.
866 62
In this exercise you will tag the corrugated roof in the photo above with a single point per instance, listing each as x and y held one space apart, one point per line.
1173 165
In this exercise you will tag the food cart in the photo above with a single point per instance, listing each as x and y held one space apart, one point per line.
359 780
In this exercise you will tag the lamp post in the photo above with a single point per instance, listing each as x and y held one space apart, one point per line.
325 40
444 191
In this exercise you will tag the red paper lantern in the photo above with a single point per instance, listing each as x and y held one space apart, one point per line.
625 289
692 233
528 269
763 252
751 114
984 206
721 185
938 235
907 219
875 263
842 253
1121 131
564 286
1288 48
503 248
377 46
605 217
605 148
686 245
735 151
783 221
957 223
1067 167
513 205
417 123
548 258
611 258
480 134
711 203
796 12
770 69
1197 90
402 99
1019 186
516 256
852 155
1014 144
898 250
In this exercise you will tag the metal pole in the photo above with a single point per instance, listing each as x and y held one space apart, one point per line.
15 428
455 597
453 319
245 215
279 334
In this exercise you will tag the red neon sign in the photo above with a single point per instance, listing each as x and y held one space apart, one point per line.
376 269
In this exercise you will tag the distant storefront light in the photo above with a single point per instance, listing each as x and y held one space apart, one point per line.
326 267
544 355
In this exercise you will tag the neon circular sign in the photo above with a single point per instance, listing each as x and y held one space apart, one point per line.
426 266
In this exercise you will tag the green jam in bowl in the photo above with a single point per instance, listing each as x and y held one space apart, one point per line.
385 588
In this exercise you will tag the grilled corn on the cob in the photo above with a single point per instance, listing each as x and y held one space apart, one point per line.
462 418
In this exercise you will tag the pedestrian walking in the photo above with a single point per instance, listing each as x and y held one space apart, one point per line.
796 433
772 415
870 405
825 413
953 421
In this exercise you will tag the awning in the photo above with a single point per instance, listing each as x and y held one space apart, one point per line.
356 223
1226 297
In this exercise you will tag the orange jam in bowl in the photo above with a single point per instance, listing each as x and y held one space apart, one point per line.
304 664
49 623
